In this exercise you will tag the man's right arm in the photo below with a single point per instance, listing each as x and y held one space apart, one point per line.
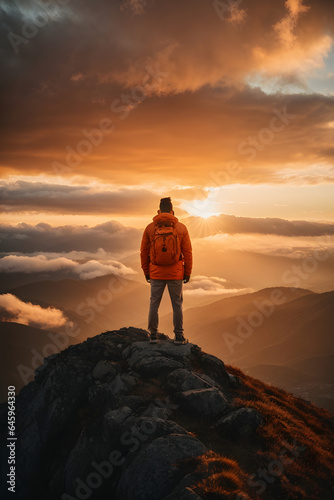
145 253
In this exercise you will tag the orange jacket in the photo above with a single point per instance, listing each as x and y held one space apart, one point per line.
175 271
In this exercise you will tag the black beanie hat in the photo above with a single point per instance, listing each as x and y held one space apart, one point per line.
166 205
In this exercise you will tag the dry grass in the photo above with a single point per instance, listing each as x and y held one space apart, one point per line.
223 477
290 457
295 430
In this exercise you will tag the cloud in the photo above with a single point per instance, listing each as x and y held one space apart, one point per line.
78 256
42 264
22 195
93 269
226 126
47 195
285 26
76 77
111 237
135 6
39 263
27 313
273 245
200 112
230 224
212 285
259 261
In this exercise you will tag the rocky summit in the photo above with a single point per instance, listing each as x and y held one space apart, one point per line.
116 417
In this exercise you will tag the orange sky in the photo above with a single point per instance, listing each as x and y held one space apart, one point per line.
227 107
175 93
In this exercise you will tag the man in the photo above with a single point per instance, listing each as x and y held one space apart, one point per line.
166 259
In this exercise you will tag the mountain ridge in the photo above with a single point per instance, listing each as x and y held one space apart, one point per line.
302 326
118 417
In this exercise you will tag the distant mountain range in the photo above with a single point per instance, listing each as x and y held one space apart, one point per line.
251 329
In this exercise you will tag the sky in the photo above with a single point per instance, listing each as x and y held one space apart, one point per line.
227 106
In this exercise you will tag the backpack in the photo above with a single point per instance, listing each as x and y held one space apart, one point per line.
165 246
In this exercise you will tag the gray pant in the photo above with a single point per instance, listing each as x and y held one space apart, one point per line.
176 296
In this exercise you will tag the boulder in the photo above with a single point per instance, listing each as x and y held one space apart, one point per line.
208 403
161 408
185 380
134 402
97 444
105 370
156 366
137 350
108 395
185 494
155 411
122 384
242 422
101 397
54 406
184 491
235 381
108 446
214 368
157 468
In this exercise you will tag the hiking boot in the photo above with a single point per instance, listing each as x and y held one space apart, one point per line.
153 338
179 339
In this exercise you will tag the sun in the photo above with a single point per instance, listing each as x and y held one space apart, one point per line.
200 208
206 215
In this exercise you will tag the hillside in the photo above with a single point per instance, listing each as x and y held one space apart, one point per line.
117 417
321 367
23 349
270 339
226 308
69 293
310 385
104 300
250 329
298 329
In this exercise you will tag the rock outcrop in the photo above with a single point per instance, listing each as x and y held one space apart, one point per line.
102 419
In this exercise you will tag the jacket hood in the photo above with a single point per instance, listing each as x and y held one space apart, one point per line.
165 217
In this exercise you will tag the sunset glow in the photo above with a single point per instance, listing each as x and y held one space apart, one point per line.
228 111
